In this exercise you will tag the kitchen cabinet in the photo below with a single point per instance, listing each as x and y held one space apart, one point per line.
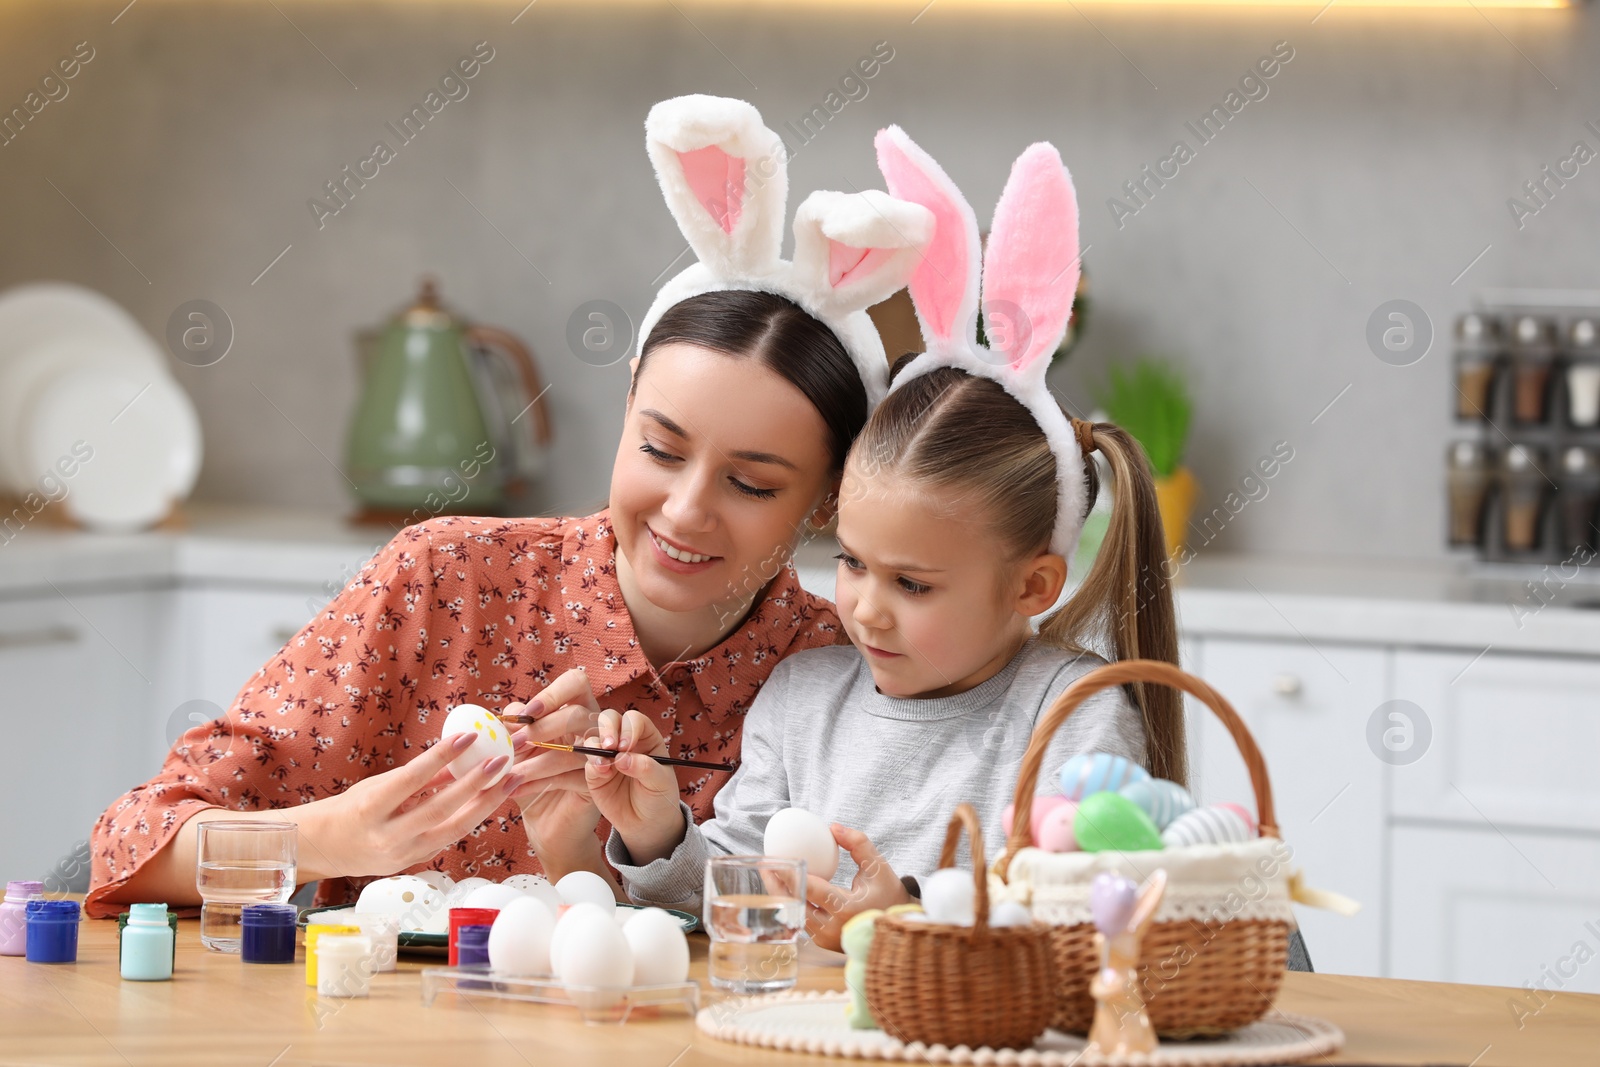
1497 907
230 631
1307 708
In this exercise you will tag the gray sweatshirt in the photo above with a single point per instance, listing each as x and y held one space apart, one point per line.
820 736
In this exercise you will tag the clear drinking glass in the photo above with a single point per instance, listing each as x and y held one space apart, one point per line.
239 863
755 910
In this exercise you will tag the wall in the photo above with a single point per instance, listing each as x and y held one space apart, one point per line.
1377 166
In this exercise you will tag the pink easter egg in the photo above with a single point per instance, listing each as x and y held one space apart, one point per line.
1243 813
1055 833
1042 806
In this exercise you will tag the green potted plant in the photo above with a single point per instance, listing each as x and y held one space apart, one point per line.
1150 400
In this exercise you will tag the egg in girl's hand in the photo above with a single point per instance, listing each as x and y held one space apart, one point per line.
947 897
493 739
495 895
660 949
586 887
796 834
519 940
594 961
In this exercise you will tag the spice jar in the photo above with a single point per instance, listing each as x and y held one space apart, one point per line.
1583 373
1579 497
1477 358
1522 495
1468 484
1533 355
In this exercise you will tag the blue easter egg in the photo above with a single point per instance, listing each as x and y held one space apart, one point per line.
1160 799
1098 772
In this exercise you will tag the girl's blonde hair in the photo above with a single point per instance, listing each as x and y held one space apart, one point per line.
957 433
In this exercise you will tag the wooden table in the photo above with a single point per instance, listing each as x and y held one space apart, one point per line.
218 1011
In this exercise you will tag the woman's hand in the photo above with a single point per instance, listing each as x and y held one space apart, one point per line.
397 819
635 793
875 885
557 813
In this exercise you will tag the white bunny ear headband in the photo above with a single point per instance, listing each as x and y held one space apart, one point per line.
1030 275
725 178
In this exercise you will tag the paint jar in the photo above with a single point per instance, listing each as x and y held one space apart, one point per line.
1477 361
1523 486
460 917
314 931
1468 483
1583 373
14 916
344 965
147 950
267 933
53 931
1533 356
1579 499
384 933
472 946
172 924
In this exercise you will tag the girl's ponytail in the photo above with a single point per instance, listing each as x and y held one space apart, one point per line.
1127 596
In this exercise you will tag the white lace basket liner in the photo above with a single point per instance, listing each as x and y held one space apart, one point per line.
1216 954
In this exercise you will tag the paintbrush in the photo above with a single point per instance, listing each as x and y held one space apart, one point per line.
611 753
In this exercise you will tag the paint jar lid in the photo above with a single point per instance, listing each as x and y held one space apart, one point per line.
18 892
268 915
147 915
53 911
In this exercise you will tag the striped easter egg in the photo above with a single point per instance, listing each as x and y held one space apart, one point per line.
1160 799
1207 826
1098 772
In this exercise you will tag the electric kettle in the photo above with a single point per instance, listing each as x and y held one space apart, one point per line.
452 417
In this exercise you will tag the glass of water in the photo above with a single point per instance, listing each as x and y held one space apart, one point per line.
239 863
755 910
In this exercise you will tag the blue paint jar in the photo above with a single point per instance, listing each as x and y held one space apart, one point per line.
472 946
53 931
268 933
148 946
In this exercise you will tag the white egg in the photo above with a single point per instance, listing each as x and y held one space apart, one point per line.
410 900
519 940
586 887
493 895
457 897
438 879
660 949
564 918
796 834
494 739
596 962
1009 913
537 887
947 897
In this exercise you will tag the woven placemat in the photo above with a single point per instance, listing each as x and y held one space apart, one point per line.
815 1023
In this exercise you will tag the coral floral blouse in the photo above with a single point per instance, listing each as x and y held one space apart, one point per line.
453 610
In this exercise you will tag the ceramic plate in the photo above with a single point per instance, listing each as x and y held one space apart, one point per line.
420 942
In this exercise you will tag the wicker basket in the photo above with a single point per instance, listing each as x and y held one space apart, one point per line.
1198 975
972 985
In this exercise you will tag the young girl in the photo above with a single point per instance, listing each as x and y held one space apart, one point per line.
962 500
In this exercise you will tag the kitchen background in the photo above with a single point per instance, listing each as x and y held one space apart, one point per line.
1378 166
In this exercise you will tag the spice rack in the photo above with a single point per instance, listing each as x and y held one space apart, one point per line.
1523 469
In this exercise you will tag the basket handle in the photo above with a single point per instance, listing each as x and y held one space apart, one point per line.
1120 673
966 816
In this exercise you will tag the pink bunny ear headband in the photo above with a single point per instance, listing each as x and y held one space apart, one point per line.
1030 274
725 178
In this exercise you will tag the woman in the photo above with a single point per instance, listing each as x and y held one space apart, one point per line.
677 600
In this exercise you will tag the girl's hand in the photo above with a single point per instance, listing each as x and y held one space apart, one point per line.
557 814
875 885
635 793
408 815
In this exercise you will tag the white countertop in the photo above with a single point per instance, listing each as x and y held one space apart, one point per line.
1451 604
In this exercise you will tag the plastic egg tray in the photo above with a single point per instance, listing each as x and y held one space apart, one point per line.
479 982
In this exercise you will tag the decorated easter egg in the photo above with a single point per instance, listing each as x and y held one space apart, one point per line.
495 895
438 879
1055 833
410 900
796 834
660 949
1243 813
947 897
493 739
1096 772
1042 806
519 940
1110 822
537 887
1160 799
1208 826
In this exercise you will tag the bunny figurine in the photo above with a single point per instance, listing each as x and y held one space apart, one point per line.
1122 915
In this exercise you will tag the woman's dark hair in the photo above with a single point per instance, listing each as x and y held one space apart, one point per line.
783 338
